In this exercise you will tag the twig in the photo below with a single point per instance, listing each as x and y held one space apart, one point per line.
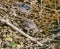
19 30
41 9
49 8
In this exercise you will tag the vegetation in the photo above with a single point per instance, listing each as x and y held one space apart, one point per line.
42 25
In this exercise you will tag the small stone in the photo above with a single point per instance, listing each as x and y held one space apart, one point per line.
41 30
19 46
24 8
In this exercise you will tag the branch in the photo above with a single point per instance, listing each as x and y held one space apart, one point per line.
19 30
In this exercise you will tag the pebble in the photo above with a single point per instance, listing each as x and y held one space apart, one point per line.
24 8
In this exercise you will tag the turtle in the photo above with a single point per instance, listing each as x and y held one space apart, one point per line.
29 25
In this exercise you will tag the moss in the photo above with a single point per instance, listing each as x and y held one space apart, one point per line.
13 44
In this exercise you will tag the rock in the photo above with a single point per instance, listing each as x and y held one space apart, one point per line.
24 8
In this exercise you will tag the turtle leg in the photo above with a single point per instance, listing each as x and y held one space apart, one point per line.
33 33
28 31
